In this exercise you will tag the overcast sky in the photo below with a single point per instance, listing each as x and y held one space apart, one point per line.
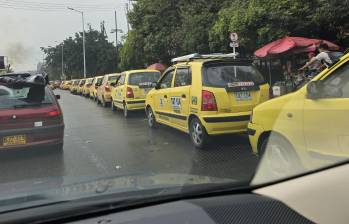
27 25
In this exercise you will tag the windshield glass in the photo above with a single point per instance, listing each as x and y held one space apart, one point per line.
112 78
143 77
149 99
221 75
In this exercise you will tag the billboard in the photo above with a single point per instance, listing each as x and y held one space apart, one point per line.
2 62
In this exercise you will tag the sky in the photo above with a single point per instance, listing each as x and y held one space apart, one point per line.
27 25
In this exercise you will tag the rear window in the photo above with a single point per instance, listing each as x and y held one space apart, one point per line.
143 77
23 97
220 75
112 78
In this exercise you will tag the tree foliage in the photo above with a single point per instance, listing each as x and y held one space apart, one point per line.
100 55
162 29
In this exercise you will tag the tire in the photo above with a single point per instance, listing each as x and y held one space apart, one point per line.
278 157
113 107
151 118
126 115
198 134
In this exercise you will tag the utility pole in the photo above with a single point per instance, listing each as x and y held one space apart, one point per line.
83 37
128 23
116 39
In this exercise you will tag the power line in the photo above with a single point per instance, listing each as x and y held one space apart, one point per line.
51 7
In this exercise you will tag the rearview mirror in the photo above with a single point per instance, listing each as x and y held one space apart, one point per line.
58 97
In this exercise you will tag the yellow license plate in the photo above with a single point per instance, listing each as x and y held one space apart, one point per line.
14 140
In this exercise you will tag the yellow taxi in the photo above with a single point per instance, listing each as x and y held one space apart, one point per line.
74 86
95 84
206 95
307 126
131 89
86 87
80 86
104 90
65 85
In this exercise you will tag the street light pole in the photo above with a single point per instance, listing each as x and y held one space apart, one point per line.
83 37
116 37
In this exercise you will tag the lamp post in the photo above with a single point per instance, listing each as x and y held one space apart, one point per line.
116 30
83 37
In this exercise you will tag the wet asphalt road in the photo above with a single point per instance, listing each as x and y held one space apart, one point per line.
99 142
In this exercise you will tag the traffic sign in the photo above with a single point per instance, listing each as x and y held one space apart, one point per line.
234 37
234 44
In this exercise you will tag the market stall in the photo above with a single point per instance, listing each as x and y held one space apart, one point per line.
289 54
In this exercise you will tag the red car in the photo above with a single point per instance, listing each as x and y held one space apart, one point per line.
29 113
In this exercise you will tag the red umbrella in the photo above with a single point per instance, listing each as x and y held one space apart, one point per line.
294 44
157 66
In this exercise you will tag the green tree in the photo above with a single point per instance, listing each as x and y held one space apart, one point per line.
100 56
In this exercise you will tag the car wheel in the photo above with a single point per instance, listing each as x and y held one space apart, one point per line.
151 118
113 107
279 158
198 133
125 111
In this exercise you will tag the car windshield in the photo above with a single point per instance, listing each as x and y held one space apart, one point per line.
143 77
123 100
221 75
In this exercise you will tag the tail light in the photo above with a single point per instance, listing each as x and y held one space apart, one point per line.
129 93
208 101
55 113
107 88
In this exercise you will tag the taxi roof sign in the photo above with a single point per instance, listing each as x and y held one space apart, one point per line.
191 57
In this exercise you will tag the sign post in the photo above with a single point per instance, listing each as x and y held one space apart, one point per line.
234 44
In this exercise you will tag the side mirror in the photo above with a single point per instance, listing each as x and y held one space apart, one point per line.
58 97
157 86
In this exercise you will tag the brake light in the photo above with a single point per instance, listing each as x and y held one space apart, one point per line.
54 113
129 93
208 101
107 88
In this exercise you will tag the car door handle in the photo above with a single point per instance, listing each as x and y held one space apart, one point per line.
165 96
184 96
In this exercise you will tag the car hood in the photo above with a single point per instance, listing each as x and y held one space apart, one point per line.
40 192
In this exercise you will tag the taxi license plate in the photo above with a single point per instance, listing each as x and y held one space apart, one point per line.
243 96
14 140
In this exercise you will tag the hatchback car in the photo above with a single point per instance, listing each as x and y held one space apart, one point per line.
207 95
311 123
95 85
74 86
80 86
29 113
86 87
131 89
104 90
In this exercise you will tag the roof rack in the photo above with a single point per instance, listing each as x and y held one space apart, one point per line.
190 57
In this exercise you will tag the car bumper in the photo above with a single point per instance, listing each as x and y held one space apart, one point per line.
135 104
254 131
107 97
42 136
226 124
